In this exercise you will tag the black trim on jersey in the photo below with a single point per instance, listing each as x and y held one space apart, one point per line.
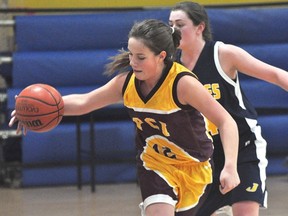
156 87
178 56
126 82
174 91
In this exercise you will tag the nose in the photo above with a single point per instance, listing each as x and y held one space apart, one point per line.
172 23
175 26
131 61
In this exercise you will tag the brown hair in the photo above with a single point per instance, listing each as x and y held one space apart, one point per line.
156 35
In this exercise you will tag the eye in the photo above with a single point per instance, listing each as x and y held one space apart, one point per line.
176 24
179 25
141 58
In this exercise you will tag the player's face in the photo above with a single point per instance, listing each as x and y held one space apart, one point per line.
179 19
146 65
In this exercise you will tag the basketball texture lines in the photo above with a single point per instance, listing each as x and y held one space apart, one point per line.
39 107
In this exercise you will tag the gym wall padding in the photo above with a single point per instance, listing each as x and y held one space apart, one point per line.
274 130
114 142
265 95
70 51
61 68
255 26
79 32
98 31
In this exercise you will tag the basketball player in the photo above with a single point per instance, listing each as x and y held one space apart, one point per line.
217 64
173 145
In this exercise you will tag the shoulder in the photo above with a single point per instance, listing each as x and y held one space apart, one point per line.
228 49
231 55
180 70
118 82
188 86
122 77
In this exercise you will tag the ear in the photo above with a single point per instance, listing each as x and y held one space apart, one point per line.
201 27
162 55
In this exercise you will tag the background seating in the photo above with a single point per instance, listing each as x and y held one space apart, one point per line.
70 51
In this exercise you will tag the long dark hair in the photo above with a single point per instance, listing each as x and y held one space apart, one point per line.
156 35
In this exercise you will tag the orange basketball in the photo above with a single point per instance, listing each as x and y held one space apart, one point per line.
39 107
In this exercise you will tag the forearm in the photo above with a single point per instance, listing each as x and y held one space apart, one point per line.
230 141
79 104
74 105
282 80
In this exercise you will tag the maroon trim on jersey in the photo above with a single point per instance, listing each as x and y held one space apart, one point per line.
174 91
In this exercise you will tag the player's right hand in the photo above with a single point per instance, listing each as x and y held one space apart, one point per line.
20 126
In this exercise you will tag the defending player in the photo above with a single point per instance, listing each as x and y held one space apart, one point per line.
217 64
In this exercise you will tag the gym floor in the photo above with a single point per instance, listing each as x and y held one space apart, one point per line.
108 200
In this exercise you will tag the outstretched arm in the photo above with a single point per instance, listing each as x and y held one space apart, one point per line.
110 93
234 59
79 104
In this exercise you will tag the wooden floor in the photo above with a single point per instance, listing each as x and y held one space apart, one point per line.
108 200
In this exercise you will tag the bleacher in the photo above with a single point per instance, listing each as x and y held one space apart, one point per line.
69 52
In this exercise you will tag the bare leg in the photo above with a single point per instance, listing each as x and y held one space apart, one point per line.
160 209
224 211
245 208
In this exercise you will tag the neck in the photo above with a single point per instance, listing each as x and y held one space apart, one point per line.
190 54
148 84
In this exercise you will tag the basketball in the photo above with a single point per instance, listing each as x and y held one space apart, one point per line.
39 107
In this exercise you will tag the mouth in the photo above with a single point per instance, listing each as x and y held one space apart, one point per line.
137 71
